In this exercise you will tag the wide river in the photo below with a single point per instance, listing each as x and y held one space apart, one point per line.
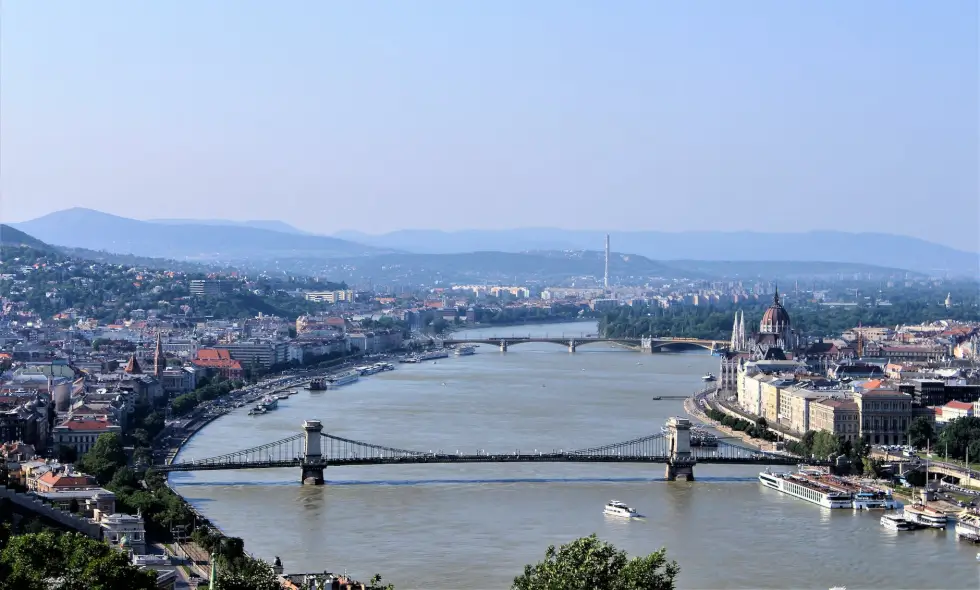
458 527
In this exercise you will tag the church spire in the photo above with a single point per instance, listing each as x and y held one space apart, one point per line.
775 296
159 361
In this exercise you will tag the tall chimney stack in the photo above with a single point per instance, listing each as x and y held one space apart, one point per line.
605 281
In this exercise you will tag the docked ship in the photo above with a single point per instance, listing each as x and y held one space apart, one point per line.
925 516
806 486
433 355
465 350
617 508
343 378
708 377
874 499
318 384
968 527
269 403
257 411
895 522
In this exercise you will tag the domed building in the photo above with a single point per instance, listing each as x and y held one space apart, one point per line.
776 329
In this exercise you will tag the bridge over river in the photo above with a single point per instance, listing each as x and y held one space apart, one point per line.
573 342
313 451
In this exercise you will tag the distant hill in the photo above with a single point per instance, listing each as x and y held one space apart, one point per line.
500 267
878 249
10 236
269 224
787 270
94 230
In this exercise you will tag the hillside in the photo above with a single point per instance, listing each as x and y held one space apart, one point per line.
877 249
94 230
10 236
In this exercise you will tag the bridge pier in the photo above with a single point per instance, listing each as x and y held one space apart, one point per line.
312 465
571 346
503 346
681 462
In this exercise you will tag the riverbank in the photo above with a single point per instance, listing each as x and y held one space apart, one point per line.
694 408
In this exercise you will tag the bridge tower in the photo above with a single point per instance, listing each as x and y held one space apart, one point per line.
313 462
503 346
681 461
571 346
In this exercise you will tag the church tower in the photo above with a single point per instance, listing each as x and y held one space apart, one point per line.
159 361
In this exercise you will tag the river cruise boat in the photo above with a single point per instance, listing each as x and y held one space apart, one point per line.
895 522
269 403
433 355
368 370
318 384
257 411
617 508
344 378
801 485
868 499
923 515
465 350
968 527
708 377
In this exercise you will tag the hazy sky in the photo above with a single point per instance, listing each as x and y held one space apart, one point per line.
752 114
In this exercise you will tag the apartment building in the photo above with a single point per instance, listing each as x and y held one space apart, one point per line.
885 415
838 416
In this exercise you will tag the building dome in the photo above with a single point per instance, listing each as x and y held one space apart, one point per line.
775 320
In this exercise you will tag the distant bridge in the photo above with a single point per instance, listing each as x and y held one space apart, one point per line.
313 451
573 342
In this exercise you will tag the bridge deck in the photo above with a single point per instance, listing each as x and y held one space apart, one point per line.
446 459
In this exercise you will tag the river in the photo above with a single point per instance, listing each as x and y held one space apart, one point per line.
471 526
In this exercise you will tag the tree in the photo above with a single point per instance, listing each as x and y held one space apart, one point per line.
872 467
69 561
104 458
591 564
67 454
921 432
247 573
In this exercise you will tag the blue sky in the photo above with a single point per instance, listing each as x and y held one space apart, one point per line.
769 115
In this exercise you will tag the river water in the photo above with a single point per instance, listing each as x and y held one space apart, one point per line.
460 527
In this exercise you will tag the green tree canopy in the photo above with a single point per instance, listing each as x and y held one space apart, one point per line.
70 561
104 458
591 564
921 432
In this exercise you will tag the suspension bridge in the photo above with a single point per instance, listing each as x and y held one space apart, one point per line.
573 342
313 451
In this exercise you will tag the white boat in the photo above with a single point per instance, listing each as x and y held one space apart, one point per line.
269 403
800 486
925 516
617 508
344 378
257 411
708 377
895 522
465 350
968 527
875 500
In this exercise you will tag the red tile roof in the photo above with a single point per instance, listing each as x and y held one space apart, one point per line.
955 405
217 363
60 480
213 354
86 424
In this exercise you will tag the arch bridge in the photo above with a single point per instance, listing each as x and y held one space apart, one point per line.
312 451
645 343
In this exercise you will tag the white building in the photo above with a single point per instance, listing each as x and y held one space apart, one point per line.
124 531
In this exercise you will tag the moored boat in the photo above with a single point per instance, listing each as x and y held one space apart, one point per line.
805 487
465 350
968 527
925 516
344 378
895 522
708 377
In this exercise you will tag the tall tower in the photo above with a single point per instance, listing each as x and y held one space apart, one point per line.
605 281
159 361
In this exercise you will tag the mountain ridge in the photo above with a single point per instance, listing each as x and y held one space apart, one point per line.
876 249
95 230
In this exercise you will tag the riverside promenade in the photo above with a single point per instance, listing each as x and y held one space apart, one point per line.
695 408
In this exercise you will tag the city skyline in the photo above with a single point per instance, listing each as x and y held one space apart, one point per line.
652 117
